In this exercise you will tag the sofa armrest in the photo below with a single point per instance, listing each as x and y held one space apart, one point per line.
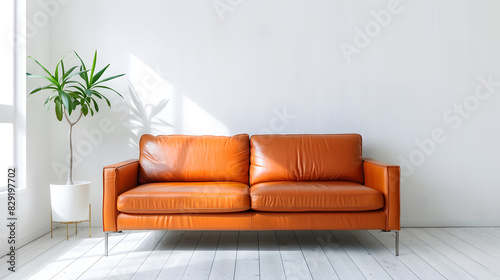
117 179
385 178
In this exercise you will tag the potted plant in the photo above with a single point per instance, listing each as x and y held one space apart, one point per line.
69 96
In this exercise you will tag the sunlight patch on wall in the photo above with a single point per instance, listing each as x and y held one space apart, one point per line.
149 97
198 121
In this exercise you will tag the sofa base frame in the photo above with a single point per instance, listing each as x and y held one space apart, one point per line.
396 232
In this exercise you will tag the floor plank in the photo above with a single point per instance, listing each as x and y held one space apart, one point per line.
475 240
47 257
271 264
338 257
491 230
33 250
87 260
224 262
247 257
362 258
294 263
471 266
131 262
415 263
153 264
106 264
473 252
441 263
201 262
65 260
386 259
177 263
486 237
317 262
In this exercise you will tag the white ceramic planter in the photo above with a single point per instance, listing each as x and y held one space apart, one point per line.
70 203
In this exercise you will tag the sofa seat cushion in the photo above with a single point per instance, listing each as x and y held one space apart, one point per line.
185 197
304 196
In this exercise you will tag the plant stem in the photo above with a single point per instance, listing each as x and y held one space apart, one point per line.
71 124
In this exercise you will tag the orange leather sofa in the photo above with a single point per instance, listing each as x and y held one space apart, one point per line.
266 182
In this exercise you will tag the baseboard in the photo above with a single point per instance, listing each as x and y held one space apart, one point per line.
450 223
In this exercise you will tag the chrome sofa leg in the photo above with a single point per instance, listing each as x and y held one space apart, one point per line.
397 242
397 239
106 234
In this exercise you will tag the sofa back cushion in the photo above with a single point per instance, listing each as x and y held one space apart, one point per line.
309 157
184 158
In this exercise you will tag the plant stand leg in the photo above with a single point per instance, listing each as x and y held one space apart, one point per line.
76 228
67 233
51 236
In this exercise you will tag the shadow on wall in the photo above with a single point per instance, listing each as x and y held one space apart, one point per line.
145 109
144 118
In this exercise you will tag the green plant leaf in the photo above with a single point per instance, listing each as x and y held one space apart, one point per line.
73 94
96 93
93 66
85 110
56 75
64 98
95 105
105 87
108 79
40 76
35 90
66 74
80 92
88 92
59 111
43 67
107 101
46 100
99 74
83 75
80 87
101 96
62 66
83 64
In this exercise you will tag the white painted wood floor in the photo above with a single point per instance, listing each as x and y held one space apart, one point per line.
426 253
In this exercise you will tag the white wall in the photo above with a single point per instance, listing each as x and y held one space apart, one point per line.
32 195
244 68
34 202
